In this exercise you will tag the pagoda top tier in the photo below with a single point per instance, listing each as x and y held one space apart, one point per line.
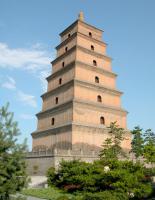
78 23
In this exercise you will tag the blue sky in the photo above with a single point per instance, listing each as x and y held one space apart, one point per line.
29 33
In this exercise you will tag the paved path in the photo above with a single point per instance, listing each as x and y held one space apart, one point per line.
33 198
30 197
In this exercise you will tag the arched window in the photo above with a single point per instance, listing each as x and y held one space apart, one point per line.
102 120
60 81
66 49
56 100
92 47
94 63
90 34
99 98
69 35
96 79
52 121
63 64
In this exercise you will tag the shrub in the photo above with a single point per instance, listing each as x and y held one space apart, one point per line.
51 176
129 178
77 176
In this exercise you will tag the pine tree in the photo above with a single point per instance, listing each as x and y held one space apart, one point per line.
12 163
112 145
137 142
149 146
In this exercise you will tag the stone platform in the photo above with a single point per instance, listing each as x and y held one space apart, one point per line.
40 161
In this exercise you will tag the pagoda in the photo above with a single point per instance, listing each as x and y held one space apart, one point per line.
81 99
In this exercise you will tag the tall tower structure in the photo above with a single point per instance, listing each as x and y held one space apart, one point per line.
81 100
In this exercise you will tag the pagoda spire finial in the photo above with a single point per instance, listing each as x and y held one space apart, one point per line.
81 16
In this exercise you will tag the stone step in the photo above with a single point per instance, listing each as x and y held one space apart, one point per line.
37 182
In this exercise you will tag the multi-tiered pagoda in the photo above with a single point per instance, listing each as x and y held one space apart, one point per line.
82 99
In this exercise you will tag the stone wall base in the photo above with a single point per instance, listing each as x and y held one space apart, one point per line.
39 162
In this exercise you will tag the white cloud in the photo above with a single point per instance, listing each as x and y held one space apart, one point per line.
35 60
26 116
43 75
9 84
27 99
39 46
32 58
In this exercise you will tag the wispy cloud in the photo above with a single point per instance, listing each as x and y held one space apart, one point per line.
10 83
35 60
26 116
26 99
31 59
42 76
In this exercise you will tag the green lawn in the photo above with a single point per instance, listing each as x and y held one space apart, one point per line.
48 193
53 194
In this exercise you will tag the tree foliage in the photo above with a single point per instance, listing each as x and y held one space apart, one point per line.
137 142
12 163
112 145
143 144
149 146
109 177
124 178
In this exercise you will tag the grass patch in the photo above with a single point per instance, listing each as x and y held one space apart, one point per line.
47 193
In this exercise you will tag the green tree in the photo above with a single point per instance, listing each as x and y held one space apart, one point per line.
124 178
112 145
149 146
76 175
137 142
12 162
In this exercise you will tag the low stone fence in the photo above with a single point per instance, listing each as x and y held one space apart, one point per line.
60 152
38 162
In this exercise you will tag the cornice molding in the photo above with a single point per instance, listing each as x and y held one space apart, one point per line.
70 104
82 83
74 35
64 69
76 47
60 88
97 87
58 108
97 69
66 41
73 125
94 53
100 106
92 39
68 28
53 130
64 55
83 65
67 127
